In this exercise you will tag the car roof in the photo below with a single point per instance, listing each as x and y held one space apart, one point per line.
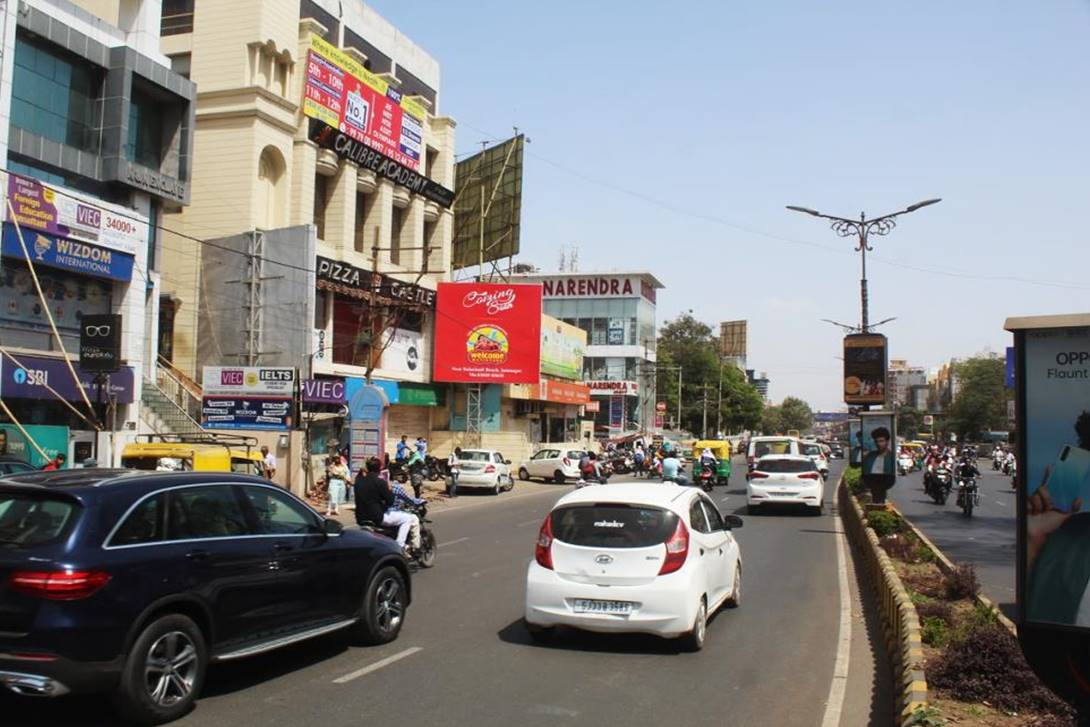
789 457
778 438
101 478
657 494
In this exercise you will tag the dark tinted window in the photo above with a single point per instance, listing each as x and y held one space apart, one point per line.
715 520
205 512
14 468
613 526
697 518
776 446
279 513
32 520
143 525
786 465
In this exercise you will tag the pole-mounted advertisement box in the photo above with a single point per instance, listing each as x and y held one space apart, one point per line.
865 368
1052 382
100 342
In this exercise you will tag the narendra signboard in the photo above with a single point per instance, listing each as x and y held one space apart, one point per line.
340 92
488 333
865 368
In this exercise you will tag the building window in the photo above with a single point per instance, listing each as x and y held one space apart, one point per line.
181 64
145 145
321 199
351 331
363 202
42 175
271 205
177 17
398 227
54 95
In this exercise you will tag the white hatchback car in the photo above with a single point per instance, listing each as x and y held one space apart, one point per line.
785 479
484 468
558 464
635 557
816 453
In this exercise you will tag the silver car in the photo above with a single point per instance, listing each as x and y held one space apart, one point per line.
484 468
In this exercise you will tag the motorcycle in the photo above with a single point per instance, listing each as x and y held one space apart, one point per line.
707 478
621 464
968 496
938 485
425 555
436 468
399 471
1008 465
904 464
1014 475
997 463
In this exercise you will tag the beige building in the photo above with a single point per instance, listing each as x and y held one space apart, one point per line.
255 167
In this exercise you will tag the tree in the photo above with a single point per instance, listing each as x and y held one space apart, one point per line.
796 414
771 421
691 344
909 422
980 400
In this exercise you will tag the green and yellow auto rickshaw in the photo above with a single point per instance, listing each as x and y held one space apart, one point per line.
720 448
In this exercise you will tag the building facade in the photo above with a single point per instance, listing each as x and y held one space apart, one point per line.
617 311
904 382
96 141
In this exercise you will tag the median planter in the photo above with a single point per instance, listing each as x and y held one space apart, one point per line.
942 633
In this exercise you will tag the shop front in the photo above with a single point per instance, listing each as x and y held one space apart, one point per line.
618 406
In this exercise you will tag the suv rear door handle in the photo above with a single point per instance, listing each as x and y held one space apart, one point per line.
197 555
283 547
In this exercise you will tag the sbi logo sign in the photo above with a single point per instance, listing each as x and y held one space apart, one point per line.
30 377
20 376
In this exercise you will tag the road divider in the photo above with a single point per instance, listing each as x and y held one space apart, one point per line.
904 642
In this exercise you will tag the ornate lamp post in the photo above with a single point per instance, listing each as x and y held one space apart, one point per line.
862 229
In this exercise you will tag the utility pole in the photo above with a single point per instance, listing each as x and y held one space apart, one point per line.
862 229
704 424
719 402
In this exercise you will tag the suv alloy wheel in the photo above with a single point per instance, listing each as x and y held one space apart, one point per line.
164 671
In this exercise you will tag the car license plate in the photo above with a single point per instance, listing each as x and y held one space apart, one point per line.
784 494
587 605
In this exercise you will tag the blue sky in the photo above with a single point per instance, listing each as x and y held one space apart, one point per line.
669 136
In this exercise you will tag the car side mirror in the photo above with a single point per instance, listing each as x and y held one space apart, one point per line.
332 527
507 461
731 522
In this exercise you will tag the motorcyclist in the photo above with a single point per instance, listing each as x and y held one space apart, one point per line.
966 469
707 459
378 501
671 470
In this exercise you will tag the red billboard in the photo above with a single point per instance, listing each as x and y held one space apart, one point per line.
488 333
343 94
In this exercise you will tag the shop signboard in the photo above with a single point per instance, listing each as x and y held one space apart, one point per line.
248 397
29 380
592 407
100 342
340 92
359 283
616 412
597 286
600 387
322 391
615 332
403 351
865 368
563 347
52 439
63 213
563 392
60 252
488 333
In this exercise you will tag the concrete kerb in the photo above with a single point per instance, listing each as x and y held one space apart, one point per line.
946 566
904 641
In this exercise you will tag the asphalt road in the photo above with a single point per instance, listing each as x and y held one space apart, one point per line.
987 539
464 657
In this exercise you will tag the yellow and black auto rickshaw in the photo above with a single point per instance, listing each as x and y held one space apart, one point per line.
720 449
194 452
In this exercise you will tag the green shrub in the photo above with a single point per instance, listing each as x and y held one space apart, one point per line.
935 609
961 583
885 523
853 480
924 554
934 631
917 598
926 717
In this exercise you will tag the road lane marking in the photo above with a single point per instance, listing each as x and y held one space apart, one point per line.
1001 504
452 542
834 705
535 521
377 665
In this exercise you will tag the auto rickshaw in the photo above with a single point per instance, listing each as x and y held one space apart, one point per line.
194 452
721 449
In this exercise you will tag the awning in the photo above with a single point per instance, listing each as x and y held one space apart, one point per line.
420 394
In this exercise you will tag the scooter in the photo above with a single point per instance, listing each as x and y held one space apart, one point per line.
425 555
968 496
707 478
1014 475
904 465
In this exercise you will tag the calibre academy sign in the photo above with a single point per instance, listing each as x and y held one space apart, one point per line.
354 151
360 282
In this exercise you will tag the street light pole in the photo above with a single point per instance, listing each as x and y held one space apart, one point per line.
862 229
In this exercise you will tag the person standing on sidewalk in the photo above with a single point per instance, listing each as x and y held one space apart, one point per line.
416 471
452 468
338 476
268 463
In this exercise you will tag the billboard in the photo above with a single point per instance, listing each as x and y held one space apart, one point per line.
488 208
52 439
732 339
488 333
247 397
562 349
877 436
865 368
340 92
71 215
29 380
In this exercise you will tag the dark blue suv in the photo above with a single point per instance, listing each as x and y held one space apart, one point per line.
131 582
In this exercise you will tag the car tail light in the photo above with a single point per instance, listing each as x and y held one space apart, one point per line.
808 476
490 468
567 462
757 475
59 585
543 549
677 549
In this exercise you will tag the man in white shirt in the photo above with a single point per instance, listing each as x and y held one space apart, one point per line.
269 463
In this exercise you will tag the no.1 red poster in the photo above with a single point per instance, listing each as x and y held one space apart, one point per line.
488 333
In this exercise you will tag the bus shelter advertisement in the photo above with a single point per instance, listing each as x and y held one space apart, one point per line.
340 92
1056 422
488 333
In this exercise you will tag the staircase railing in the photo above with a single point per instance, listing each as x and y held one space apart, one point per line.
182 391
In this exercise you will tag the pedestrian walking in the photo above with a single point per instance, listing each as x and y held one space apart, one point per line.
453 469
338 477
402 454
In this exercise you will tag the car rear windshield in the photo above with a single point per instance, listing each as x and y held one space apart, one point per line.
613 525
474 456
780 446
33 519
785 465
811 449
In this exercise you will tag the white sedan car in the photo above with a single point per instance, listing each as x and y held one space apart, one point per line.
552 463
484 468
635 557
785 479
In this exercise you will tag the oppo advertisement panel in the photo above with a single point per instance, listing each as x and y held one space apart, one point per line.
488 333
1056 467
